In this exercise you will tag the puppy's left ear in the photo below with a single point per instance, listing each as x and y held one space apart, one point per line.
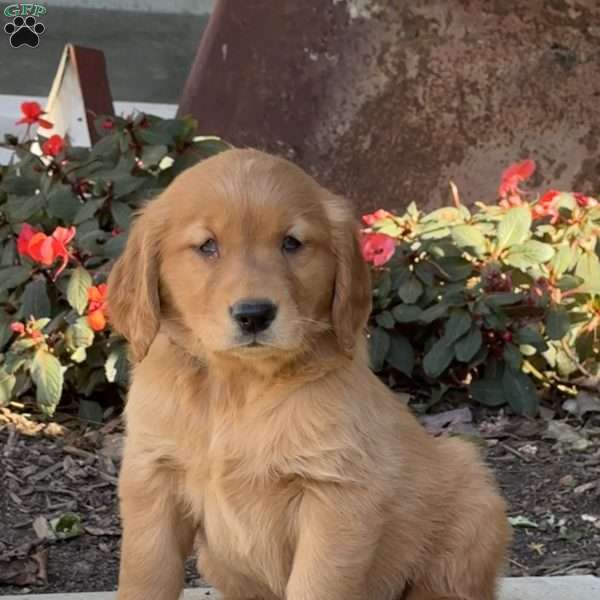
352 293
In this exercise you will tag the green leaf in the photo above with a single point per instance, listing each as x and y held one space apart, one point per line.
438 359
152 155
469 237
114 246
35 300
454 268
9 253
79 355
444 216
588 268
11 277
19 209
7 384
410 291
521 393
79 335
383 287
568 282
522 522
5 332
503 298
47 374
23 344
62 203
530 336
90 410
557 323
399 274
565 200
468 346
514 228
121 213
77 290
530 254
116 367
457 325
426 272
407 313
379 346
66 526
512 356
437 311
385 320
401 355
126 183
563 259
488 391
87 210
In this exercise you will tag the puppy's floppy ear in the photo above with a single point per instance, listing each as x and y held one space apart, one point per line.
352 292
133 297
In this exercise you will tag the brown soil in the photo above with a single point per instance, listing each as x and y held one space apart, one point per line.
71 467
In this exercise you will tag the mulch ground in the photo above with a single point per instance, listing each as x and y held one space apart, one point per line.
549 473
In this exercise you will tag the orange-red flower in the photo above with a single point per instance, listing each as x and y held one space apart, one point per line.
32 114
97 306
25 235
377 248
546 207
378 215
53 146
46 249
513 176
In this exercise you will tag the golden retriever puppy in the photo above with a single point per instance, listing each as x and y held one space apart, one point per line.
255 429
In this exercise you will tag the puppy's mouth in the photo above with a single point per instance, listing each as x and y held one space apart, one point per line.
253 343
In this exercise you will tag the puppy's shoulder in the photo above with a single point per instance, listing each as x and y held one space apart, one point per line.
167 388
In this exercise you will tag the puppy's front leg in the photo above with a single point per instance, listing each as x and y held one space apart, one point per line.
338 531
157 537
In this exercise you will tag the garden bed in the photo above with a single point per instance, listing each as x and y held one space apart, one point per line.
553 489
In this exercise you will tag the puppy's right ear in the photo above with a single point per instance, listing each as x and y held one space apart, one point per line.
133 297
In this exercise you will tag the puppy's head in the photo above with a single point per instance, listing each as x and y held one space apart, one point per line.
243 254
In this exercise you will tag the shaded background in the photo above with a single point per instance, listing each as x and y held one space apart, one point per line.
386 101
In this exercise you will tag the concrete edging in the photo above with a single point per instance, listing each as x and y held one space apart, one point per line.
576 587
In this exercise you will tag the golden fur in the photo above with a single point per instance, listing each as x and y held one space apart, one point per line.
295 472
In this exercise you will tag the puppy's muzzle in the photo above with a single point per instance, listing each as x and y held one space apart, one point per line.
253 315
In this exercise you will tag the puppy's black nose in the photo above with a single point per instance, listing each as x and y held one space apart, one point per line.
253 316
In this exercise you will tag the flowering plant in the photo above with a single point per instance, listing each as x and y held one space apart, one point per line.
494 299
64 216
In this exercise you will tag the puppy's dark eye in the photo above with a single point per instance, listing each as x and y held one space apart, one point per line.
291 244
209 249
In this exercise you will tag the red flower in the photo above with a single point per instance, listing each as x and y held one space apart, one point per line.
585 201
25 235
546 207
513 176
97 307
378 215
17 327
46 249
27 330
53 146
32 114
108 124
377 248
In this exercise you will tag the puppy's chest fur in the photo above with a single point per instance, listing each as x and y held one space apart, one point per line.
243 481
